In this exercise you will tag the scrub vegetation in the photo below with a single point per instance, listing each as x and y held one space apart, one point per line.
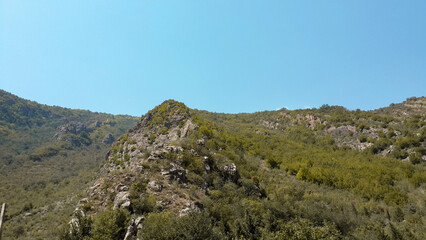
326 173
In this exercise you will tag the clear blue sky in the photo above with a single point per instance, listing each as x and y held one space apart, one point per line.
127 56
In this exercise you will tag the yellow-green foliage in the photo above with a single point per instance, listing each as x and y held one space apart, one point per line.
43 177
161 114
167 225
110 225
298 151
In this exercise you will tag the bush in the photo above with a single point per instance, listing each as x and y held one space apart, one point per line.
399 153
362 138
272 163
79 228
146 203
304 230
390 134
166 225
415 158
363 126
110 225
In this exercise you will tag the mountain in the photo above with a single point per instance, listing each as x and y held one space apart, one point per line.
48 155
181 173
306 174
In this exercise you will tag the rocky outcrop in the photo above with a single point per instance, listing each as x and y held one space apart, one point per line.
175 173
72 127
122 200
151 158
192 208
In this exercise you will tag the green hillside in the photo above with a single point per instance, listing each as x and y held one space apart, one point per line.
48 155
198 175
181 173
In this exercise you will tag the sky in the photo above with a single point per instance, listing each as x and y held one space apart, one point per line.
127 56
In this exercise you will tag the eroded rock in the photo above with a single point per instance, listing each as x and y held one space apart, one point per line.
121 200
175 173
155 186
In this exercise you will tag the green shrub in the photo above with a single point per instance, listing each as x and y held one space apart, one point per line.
390 134
166 225
362 138
145 203
304 230
363 126
163 131
152 138
399 153
110 225
415 158
80 228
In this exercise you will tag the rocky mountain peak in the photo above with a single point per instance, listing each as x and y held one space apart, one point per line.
147 158
167 115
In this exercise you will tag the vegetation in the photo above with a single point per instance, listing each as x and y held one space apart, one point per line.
297 178
41 177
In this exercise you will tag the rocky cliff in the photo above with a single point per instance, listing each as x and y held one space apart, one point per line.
155 167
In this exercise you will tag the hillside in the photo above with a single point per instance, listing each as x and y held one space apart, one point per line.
181 173
48 155
326 173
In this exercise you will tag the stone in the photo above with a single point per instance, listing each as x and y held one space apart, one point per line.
201 142
155 186
122 188
207 167
83 201
132 230
192 208
174 149
188 127
121 200
175 173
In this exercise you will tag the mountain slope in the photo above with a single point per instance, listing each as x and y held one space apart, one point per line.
47 157
183 173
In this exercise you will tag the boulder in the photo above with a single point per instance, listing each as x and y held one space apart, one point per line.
121 200
175 173
155 186
122 188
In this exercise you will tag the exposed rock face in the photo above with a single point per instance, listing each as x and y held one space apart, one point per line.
270 125
122 200
152 155
155 139
108 139
72 127
190 209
